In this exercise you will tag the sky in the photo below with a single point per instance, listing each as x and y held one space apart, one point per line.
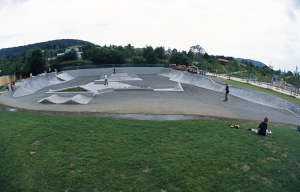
263 30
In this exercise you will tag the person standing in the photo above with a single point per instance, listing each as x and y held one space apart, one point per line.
105 80
226 92
8 87
12 86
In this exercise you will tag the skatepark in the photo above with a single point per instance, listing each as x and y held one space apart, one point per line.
139 91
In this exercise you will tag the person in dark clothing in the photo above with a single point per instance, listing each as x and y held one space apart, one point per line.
226 92
262 128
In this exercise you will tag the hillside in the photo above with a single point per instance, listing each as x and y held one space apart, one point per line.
49 45
255 63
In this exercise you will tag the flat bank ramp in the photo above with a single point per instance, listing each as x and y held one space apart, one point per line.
33 84
77 99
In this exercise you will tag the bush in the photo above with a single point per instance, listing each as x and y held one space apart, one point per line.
74 63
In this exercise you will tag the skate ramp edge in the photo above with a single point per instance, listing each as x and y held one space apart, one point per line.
77 99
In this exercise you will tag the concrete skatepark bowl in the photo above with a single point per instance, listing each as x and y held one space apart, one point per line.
146 90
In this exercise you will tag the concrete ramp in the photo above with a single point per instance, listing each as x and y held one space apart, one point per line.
178 87
31 85
247 94
77 99
64 76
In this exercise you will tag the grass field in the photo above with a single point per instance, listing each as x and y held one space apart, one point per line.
269 91
56 153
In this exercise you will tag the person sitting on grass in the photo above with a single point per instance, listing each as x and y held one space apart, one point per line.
262 128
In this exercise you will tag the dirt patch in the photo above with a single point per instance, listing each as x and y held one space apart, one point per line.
253 177
272 159
294 176
262 161
246 167
285 155
123 176
147 170
226 170
266 181
36 143
272 147
172 128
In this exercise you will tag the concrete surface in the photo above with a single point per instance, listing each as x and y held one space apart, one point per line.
199 96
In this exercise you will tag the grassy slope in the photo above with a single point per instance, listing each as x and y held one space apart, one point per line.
2 88
269 91
97 154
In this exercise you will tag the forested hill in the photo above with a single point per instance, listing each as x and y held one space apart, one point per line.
255 63
49 45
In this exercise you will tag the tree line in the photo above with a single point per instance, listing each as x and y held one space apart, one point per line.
37 61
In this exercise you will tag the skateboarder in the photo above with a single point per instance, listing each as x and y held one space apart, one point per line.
226 92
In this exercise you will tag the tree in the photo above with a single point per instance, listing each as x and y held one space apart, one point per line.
16 66
70 56
138 60
150 55
36 62
179 58
160 53
197 50
4 66
289 74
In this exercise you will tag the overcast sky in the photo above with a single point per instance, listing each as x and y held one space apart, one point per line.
264 30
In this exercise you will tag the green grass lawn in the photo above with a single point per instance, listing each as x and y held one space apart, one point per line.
75 89
269 91
58 153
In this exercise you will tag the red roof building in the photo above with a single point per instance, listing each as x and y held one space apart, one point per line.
223 60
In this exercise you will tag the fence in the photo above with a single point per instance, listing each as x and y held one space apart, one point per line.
6 79
111 66
292 91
